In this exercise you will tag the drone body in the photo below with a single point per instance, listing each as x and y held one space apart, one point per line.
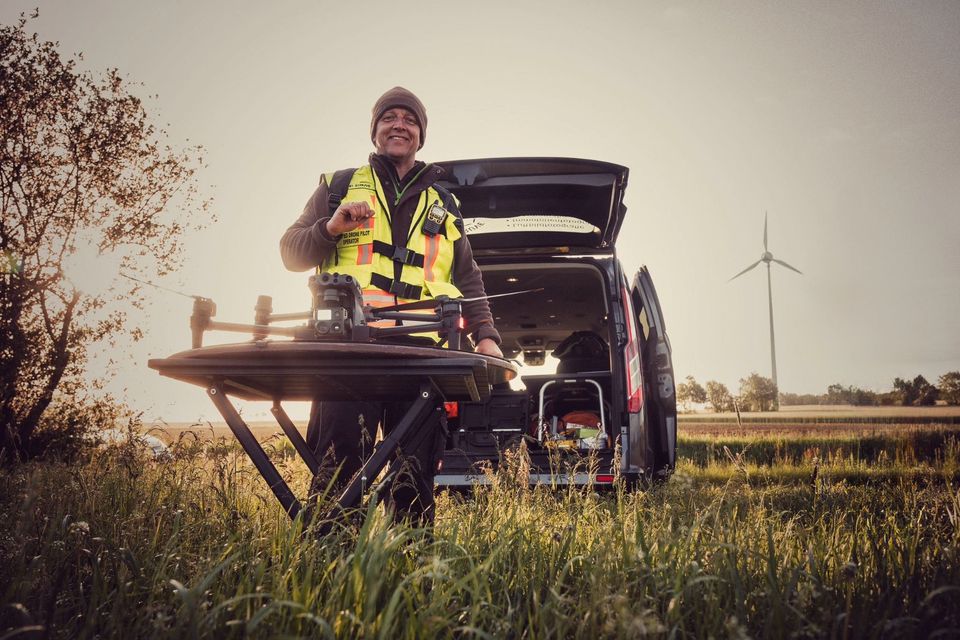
338 314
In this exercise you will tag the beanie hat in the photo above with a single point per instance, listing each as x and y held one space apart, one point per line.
400 97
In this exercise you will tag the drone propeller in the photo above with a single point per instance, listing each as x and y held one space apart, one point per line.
432 302
501 295
162 288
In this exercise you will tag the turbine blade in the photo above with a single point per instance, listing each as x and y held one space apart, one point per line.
745 270
765 231
787 266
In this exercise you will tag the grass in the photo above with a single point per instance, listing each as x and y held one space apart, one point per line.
905 446
829 414
777 536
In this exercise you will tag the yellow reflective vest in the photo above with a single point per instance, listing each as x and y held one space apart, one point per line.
368 254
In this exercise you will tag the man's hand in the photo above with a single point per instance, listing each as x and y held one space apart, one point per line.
489 348
348 217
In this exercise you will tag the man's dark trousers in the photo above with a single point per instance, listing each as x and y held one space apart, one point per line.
343 435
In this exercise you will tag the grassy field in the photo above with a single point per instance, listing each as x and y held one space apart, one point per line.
837 532
821 412
789 419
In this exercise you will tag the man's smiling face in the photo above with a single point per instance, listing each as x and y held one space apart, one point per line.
398 134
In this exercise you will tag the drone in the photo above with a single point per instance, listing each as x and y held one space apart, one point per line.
338 314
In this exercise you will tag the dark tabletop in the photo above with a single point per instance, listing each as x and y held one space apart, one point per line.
301 370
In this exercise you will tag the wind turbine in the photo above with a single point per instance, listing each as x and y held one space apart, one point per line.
767 257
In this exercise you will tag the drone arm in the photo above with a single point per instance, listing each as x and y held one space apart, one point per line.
399 315
260 329
283 317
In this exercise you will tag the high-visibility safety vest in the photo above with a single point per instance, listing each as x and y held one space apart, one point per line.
368 254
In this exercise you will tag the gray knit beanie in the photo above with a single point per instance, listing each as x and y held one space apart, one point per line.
400 97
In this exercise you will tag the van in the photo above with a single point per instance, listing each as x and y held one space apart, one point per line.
596 377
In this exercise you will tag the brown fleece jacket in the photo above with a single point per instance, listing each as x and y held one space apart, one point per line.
306 243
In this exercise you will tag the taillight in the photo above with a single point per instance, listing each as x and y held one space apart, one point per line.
452 409
631 359
604 477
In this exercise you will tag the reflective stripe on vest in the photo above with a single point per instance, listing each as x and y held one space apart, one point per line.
355 255
376 298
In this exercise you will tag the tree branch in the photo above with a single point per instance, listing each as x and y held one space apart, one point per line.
60 359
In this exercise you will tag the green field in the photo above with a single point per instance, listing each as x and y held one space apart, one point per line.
838 531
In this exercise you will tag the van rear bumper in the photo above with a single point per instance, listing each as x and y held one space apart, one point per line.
474 479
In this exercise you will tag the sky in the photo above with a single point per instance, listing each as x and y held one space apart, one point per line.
840 120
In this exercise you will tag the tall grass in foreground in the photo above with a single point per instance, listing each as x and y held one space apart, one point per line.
196 547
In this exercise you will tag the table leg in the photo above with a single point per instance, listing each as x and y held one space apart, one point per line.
256 453
298 442
415 416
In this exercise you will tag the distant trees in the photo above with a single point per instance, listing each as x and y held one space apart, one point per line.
928 394
907 392
915 392
718 396
836 394
791 399
949 385
839 394
80 165
689 392
757 393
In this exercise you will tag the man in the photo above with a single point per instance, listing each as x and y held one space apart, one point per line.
402 237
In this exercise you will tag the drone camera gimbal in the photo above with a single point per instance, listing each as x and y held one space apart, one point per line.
337 310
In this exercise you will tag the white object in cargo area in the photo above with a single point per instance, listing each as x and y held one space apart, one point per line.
541 432
562 224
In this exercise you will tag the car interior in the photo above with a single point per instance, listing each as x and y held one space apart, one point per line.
562 299
557 329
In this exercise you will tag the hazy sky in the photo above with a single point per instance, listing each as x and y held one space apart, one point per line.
840 119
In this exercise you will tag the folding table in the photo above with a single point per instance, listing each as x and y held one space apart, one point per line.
278 371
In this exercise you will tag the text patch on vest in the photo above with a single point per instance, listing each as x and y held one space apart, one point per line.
361 235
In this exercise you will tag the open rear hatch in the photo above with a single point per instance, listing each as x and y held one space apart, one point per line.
539 205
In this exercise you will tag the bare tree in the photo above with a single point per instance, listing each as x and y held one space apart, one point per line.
80 162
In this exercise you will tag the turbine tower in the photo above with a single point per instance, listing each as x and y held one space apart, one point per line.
767 257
